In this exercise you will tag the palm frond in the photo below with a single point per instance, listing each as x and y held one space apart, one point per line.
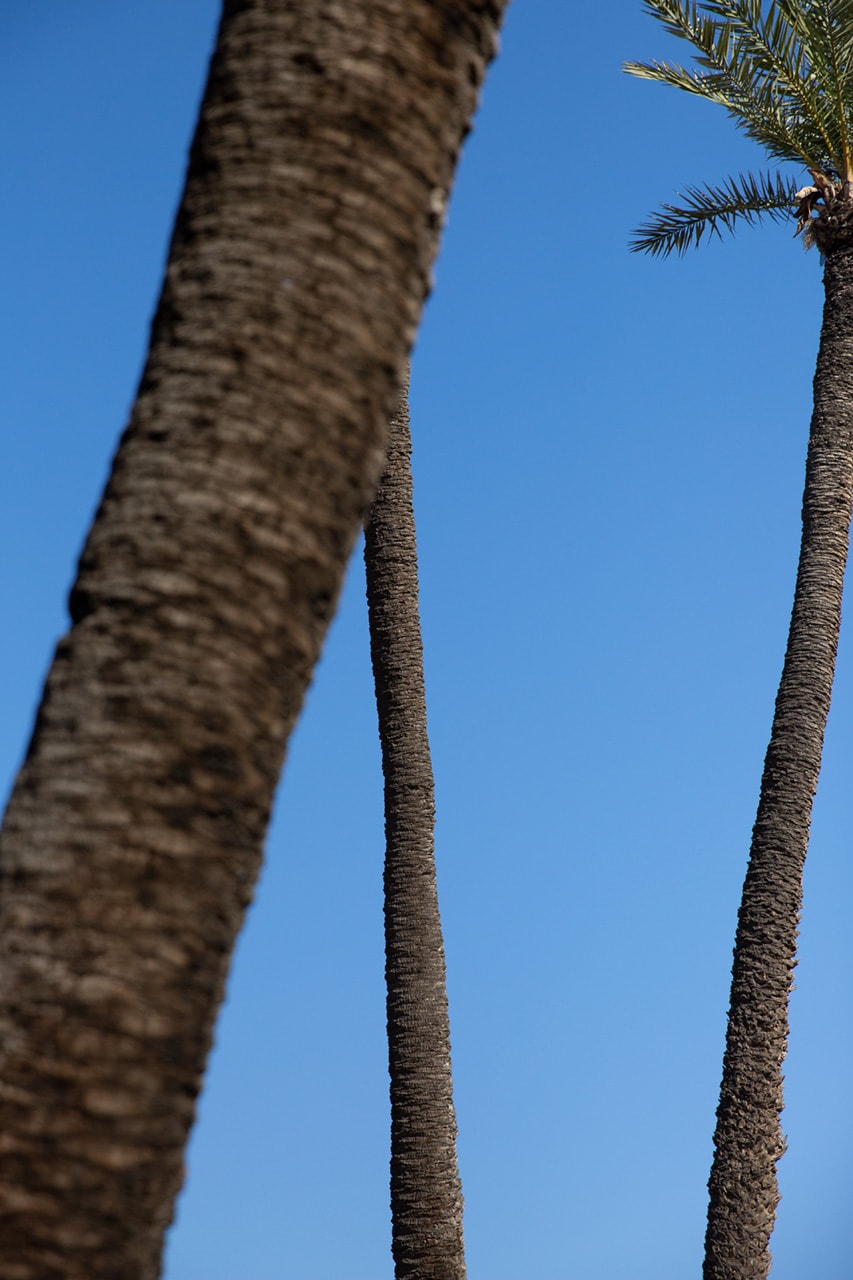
759 112
771 43
756 61
828 30
825 29
767 35
709 210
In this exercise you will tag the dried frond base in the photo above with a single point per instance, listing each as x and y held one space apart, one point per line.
832 229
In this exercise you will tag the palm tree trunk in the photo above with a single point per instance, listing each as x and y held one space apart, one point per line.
426 1194
300 258
749 1141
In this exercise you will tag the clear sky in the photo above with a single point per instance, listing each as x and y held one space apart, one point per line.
608 464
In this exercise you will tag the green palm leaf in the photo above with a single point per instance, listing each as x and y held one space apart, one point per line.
708 210
777 56
826 28
755 68
784 131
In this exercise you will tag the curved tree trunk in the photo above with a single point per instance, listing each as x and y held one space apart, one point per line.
426 1194
300 258
749 1141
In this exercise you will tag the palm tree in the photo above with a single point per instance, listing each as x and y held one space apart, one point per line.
784 72
426 1194
296 273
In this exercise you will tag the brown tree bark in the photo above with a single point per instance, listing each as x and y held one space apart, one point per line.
426 1193
299 262
743 1187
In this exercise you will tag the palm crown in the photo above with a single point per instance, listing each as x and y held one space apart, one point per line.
784 72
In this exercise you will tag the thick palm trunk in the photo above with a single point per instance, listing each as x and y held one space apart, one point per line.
426 1195
748 1139
299 262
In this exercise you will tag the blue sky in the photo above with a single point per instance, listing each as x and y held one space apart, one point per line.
608 465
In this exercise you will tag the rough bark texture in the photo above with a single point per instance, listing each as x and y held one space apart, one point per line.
300 259
426 1194
749 1141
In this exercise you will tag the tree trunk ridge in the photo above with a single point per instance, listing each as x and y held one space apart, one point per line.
748 1140
426 1193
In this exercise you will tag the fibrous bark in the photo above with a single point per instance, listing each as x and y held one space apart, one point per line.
299 262
426 1193
743 1187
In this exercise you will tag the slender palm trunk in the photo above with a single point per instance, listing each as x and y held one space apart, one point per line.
749 1141
300 259
426 1194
